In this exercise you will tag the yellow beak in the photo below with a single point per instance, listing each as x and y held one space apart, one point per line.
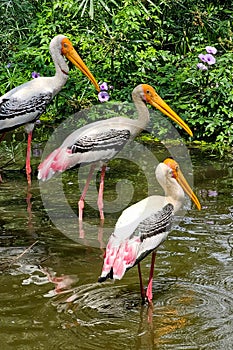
184 184
177 174
74 57
161 105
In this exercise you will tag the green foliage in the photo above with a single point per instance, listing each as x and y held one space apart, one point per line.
15 20
124 43
12 153
203 98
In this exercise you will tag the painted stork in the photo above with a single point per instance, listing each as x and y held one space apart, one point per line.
102 140
142 227
24 104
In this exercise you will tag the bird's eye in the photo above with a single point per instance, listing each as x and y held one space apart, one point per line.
65 45
148 92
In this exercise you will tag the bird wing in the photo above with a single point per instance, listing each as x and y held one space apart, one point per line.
99 146
132 216
112 138
15 111
148 235
153 230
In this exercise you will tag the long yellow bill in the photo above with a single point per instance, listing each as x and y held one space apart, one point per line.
156 101
72 55
182 181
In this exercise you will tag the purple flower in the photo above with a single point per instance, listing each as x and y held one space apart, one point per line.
103 96
211 49
8 65
210 59
212 193
35 75
104 86
37 151
202 57
201 66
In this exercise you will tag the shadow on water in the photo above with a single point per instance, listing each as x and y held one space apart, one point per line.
50 297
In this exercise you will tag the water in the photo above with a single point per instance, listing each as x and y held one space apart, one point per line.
50 297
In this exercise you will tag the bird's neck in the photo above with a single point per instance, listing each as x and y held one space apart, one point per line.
143 112
61 68
174 194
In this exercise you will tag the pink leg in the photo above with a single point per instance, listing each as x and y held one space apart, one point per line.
83 195
149 287
100 236
81 230
28 158
141 284
101 193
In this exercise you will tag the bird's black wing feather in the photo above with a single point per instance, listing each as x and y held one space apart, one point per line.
154 225
13 107
111 139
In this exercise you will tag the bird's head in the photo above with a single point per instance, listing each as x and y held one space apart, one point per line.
175 173
66 49
150 96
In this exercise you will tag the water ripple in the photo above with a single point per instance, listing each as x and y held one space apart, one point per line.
185 314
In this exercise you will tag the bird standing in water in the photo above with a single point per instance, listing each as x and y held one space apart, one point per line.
142 227
100 141
24 104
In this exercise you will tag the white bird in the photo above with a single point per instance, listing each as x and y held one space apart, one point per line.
102 140
142 227
24 104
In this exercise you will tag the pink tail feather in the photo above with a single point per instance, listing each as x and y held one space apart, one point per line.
119 258
56 161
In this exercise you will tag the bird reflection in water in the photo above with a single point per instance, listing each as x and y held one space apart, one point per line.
100 234
62 283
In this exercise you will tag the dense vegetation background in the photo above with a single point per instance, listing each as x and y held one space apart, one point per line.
126 42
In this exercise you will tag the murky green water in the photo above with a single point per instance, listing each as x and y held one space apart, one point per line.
193 283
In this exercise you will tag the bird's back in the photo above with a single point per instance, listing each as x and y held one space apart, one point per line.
136 213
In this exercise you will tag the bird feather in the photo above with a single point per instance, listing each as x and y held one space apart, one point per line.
113 138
